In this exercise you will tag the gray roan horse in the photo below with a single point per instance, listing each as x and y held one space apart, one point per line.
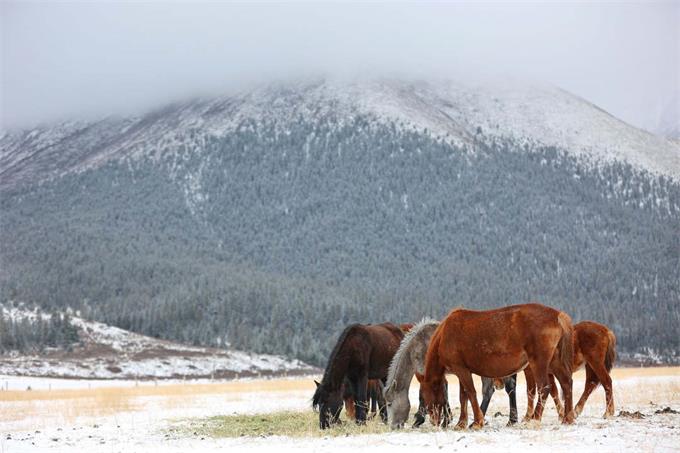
409 360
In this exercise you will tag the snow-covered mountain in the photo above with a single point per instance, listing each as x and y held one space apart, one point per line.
274 217
107 352
460 113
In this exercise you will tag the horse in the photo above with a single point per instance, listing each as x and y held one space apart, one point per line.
410 360
594 347
497 343
362 352
375 397
407 361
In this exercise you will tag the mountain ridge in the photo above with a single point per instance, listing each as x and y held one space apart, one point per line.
459 113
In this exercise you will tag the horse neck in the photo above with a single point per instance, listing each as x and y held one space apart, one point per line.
336 374
337 368
434 370
404 365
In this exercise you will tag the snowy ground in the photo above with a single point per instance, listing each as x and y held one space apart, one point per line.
128 417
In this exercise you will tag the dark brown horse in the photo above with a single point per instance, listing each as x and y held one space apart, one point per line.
594 346
497 344
361 353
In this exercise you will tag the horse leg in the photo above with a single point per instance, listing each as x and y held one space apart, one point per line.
540 371
350 407
373 396
510 389
361 399
565 380
487 392
591 384
447 406
382 405
531 393
422 411
555 394
606 380
469 385
463 419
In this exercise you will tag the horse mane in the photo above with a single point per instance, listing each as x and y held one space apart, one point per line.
404 346
335 351
331 361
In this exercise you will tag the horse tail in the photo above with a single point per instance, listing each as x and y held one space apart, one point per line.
565 346
610 356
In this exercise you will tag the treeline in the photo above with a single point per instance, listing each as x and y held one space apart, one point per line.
33 334
272 241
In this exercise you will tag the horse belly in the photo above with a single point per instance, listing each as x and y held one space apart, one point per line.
497 364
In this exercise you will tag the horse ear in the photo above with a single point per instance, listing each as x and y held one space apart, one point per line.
382 387
317 384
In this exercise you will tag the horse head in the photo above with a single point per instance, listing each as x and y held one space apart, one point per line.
328 403
434 397
398 405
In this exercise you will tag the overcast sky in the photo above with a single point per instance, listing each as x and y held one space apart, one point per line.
80 59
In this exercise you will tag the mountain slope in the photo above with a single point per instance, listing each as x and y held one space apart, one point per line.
272 219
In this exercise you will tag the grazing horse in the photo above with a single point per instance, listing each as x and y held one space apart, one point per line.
410 360
497 343
361 353
594 346
375 397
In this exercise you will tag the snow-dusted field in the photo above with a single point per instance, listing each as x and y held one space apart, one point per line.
125 416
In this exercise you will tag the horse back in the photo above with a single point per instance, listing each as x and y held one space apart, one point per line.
382 340
595 342
498 342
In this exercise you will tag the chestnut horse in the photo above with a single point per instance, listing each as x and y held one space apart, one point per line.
361 353
594 346
497 344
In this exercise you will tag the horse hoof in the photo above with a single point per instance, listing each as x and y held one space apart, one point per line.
532 423
477 426
511 422
569 419
460 426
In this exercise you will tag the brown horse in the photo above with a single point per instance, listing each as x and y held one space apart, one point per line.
374 391
594 346
497 343
361 353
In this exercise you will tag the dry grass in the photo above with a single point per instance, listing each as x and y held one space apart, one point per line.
286 423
